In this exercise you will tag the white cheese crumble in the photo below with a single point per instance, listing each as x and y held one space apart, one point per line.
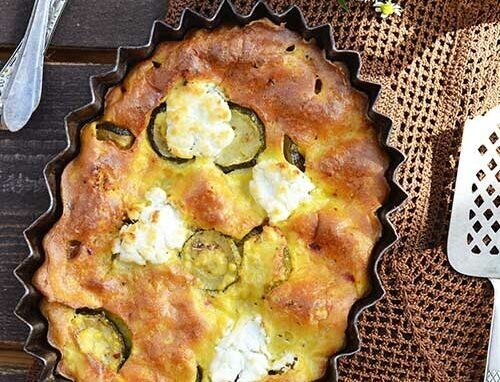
198 120
157 234
284 364
279 188
242 354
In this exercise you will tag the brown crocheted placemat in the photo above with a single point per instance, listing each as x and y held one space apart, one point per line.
439 64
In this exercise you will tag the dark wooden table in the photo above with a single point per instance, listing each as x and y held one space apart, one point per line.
84 44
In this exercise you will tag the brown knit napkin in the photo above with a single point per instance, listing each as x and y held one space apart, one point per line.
439 64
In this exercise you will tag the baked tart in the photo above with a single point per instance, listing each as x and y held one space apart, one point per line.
219 219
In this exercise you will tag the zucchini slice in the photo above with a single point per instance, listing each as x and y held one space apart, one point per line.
213 259
199 374
249 140
120 136
157 134
255 231
103 336
292 154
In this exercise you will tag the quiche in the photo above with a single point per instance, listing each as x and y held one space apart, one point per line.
219 219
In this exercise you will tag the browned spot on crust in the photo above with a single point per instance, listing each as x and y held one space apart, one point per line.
205 205
356 170
312 300
73 249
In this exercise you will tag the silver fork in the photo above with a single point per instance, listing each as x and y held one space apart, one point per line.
25 66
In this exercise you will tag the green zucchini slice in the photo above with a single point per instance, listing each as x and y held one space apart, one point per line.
249 140
292 153
213 259
120 136
255 231
157 134
103 336
199 374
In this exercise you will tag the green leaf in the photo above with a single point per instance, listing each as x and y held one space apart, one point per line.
343 4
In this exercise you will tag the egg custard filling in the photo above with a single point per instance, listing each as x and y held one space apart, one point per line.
219 219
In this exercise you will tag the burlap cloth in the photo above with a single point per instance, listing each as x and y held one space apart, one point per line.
439 64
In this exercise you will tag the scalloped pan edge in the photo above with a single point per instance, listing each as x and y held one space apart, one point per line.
28 310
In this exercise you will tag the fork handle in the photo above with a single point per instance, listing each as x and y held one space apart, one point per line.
24 90
493 360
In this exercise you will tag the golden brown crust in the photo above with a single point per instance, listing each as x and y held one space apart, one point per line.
355 169
207 197
311 299
331 243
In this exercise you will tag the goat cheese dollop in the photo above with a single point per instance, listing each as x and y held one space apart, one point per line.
198 120
157 233
279 188
284 364
242 354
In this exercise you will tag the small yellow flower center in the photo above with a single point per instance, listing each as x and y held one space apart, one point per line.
387 9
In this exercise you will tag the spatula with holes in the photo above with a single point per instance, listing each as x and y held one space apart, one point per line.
474 236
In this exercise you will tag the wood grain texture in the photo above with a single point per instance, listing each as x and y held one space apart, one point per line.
13 374
87 23
23 196
63 55
15 364
16 359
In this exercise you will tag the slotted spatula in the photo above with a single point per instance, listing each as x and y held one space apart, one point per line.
474 237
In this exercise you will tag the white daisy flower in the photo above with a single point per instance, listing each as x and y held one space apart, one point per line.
387 8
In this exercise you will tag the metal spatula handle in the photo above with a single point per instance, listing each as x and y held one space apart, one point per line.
474 238
493 364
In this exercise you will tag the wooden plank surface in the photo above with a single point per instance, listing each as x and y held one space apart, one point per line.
22 190
13 374
89 32
15 365
87 23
